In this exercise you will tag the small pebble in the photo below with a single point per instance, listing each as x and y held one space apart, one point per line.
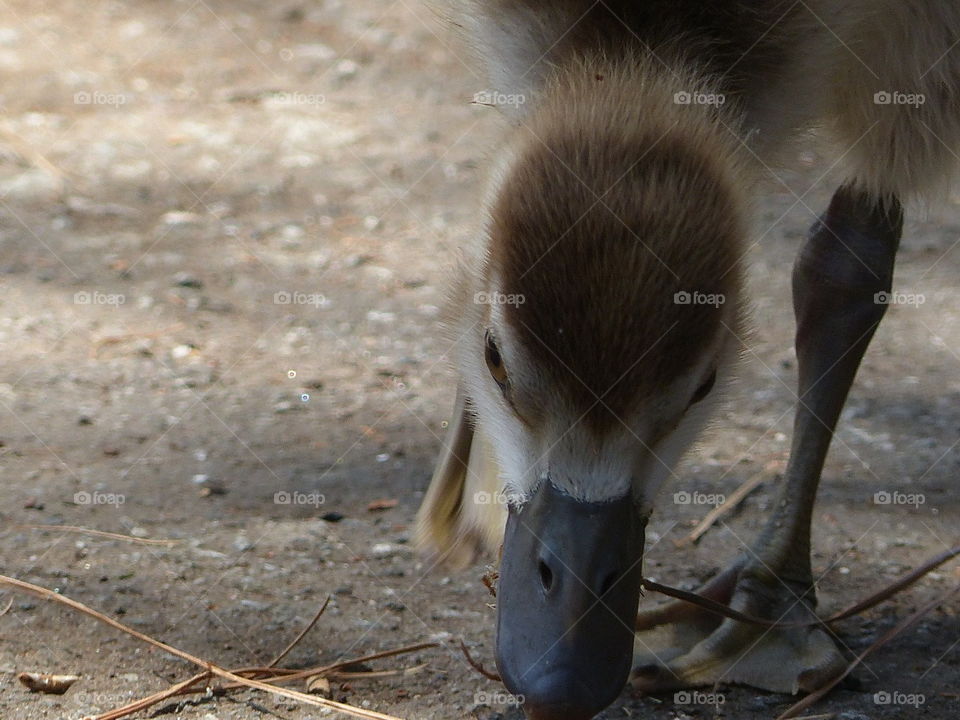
185 279
346 69
286 406
382 550
292 232
175 218
255 605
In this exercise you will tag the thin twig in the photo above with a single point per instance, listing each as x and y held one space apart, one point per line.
100 533
299 637
186 687
33 157
144 703
728 506
207 665
478 666
718 608
371 657
275 675
289 675
896 586
376 674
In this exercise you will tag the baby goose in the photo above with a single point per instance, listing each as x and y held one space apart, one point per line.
600 307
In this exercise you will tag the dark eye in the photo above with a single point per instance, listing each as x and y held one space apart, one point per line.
704 389
495 361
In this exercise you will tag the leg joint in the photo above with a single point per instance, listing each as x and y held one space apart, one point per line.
852 247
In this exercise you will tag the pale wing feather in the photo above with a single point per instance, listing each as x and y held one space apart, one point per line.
461 517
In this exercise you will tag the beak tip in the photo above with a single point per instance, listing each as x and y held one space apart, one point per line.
561 695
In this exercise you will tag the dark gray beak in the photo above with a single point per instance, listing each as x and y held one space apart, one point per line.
567 602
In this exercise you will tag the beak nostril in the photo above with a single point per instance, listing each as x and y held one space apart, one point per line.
608 582
546 575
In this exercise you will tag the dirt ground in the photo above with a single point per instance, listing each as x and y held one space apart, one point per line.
225 229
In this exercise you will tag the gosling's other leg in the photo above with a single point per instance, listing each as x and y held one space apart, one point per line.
840 280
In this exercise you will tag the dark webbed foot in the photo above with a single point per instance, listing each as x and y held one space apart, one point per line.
680 645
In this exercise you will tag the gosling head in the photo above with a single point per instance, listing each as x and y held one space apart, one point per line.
609 294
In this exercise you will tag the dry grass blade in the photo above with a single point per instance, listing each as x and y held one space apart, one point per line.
478 666
895 587
729 505
205 664
279 676
712 606
146 702
100 533
32 157
365 658
302 697
299 637
376 674
718 608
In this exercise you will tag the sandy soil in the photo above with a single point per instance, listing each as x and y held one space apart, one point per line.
225 228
